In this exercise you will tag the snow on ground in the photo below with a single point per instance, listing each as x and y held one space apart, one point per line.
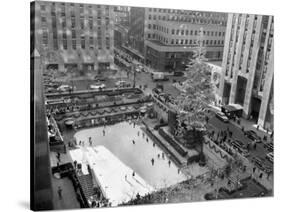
114 177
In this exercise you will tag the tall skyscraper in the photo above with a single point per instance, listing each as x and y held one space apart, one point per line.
170 36
247 68
75 35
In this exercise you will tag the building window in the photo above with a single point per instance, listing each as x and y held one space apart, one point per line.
173 31
73 34
191 32
107 42
55 42
73 44
186 32
149 26
91 23
45 37
172 41
82 24
64 43
72 22
43 7
186 41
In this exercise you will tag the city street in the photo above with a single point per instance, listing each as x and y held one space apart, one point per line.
260 151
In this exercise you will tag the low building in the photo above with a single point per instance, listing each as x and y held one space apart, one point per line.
170 36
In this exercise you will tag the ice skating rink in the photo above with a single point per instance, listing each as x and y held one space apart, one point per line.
123 148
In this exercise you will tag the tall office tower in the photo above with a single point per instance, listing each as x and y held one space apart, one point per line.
69 35
121 25
136 29
247 68
170 36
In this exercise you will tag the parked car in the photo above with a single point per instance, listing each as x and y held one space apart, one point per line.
178 74
243 152
222 117
100 78
65 88
122 84
269 157
258 162
251 134
97 87
267 169
269 146
238 144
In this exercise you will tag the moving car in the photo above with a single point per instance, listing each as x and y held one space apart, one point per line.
251 134
159 76
269 157
221 116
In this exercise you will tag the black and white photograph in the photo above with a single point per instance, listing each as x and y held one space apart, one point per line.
139 105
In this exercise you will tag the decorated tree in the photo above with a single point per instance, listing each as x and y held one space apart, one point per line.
196 95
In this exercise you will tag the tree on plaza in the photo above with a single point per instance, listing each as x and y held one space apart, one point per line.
196 94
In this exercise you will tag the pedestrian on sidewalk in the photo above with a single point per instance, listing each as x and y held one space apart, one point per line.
152 161
58 156
60 192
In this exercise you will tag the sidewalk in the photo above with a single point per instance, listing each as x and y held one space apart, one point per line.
247 124
69 200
